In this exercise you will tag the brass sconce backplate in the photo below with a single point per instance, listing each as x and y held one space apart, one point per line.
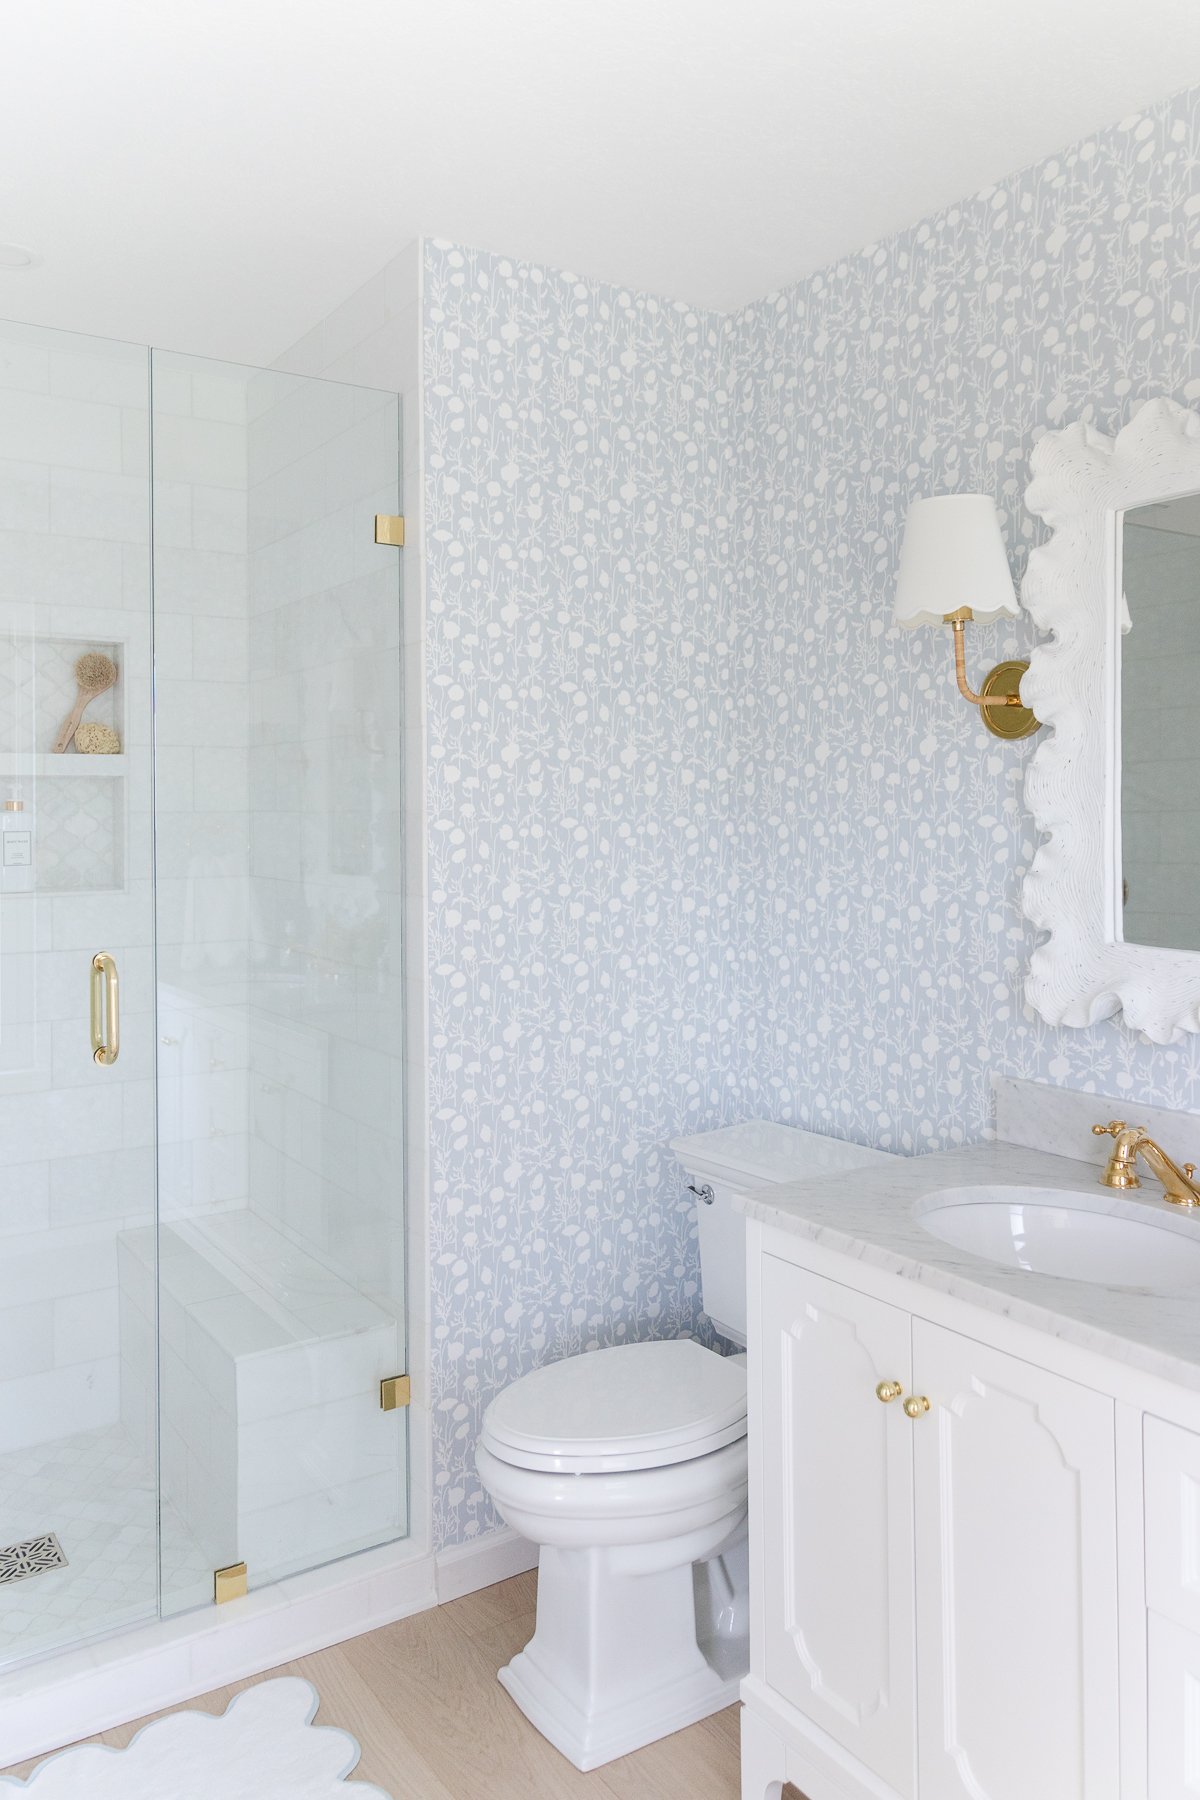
1006 721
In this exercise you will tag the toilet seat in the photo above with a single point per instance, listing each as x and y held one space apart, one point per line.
636 1406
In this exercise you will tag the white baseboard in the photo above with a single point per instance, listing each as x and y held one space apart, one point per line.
464 1568
64 1698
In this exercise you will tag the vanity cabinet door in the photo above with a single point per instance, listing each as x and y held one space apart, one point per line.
837 1610
1016 1578
1174 1714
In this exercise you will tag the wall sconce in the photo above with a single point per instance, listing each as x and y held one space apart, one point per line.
952 552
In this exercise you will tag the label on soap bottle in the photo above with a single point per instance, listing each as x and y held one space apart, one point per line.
16 848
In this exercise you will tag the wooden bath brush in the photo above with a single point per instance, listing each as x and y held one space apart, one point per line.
94 674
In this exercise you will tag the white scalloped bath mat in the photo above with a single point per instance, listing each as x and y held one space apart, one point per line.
263 1747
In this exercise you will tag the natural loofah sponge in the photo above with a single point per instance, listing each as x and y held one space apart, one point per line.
97 740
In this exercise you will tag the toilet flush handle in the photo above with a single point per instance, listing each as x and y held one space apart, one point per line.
703 1193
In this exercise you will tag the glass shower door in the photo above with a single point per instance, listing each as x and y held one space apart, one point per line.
202 1243
280 1004
78 1499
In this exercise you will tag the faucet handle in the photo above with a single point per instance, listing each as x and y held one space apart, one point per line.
1112 1129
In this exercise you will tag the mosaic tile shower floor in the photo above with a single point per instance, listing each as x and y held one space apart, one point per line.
98 1496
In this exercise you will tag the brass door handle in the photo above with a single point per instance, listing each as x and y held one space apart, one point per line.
889 1390
106 1010
915 1406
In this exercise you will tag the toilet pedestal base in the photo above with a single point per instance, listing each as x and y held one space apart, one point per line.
614 1662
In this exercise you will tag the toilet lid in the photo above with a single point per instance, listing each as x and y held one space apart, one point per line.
639 1406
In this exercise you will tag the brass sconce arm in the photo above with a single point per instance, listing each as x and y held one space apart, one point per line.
1001 687
958 625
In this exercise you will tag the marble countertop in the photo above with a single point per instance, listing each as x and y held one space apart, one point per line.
869 1214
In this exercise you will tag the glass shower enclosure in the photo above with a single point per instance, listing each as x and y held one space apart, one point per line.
202 1245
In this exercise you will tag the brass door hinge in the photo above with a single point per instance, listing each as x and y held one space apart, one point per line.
389 529
394 1391
229 1583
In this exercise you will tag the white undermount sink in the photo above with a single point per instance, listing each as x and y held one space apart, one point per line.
1055 1231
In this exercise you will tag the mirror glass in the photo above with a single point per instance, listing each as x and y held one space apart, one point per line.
1160 724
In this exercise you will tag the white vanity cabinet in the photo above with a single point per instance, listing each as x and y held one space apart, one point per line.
934 1597
1172 1472
1014 1485
838 1627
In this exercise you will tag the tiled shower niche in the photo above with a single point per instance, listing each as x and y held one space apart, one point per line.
75 802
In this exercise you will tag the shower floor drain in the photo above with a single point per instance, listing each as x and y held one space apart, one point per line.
31 1557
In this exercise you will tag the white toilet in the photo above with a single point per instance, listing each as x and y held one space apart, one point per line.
628 1467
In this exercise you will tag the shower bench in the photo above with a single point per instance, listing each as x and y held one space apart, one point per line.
274 1450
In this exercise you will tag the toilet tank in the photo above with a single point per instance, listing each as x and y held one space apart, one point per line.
744 1159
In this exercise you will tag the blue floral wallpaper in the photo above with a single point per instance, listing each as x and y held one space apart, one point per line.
707 837
884 839
579 689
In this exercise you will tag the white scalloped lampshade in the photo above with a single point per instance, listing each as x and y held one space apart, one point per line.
953 555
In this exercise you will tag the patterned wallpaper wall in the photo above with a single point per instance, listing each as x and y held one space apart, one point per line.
885 838
579 687
707 837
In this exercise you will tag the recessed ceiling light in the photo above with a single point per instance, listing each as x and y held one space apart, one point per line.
16 256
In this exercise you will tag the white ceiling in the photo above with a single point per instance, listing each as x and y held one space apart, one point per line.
214 175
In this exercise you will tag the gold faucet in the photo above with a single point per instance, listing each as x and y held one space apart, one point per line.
1133 1141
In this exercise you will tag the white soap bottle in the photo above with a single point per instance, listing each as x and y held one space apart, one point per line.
16 848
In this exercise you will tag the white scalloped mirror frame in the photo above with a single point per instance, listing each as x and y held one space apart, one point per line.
1081 483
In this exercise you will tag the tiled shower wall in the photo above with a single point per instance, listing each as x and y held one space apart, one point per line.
201 783
327 1010
202 896
373 338
78 1157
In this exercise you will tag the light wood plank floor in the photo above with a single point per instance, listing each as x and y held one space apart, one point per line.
422 1699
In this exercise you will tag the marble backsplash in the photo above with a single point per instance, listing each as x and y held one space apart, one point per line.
1039 1116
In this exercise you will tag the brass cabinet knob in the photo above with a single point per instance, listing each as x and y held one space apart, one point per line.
915 1405
889 1390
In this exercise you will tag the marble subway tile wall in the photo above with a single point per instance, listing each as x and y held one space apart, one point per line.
580 682
202 722
327 1015
201 858
78 1141
374 339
